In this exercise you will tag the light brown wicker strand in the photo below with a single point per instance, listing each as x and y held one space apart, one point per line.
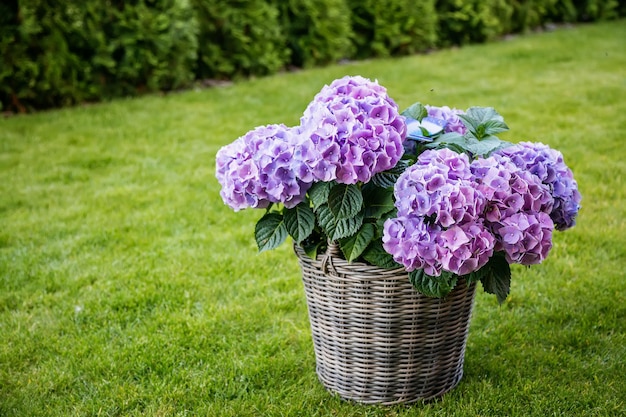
376 339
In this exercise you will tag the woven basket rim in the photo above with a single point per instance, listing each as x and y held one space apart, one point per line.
338 260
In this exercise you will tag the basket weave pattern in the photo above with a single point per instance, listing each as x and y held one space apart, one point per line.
376 339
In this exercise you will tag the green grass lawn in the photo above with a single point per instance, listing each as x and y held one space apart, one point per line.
127 288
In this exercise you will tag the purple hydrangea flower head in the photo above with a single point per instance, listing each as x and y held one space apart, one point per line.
439 224
467 247
549 166
413 243
509 189
356 87
416 244
262 167
355 130
517 211
451 116
439 185
525 237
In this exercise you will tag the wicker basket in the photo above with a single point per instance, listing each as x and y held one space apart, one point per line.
376 339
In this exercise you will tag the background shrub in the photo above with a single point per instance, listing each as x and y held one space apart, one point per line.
585 10
39 67
468 21
60 53
239 38
317 31
393 27
144 45
57 53
529 14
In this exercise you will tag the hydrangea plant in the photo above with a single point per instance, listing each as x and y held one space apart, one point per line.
445 201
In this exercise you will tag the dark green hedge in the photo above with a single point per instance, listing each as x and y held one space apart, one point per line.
585 10
470 21
142 45
393 27
318 31
528 14
56 53
239 38
59 53
41 59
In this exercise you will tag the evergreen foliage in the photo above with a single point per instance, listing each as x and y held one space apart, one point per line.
393 27
55 54
61 53
318 31
239 38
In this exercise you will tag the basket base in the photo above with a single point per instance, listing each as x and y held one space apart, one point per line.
392 399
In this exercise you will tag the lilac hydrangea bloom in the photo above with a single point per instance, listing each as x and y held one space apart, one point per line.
413 243
439 225
453 122
439 185
508 188
467 247
260 168
417 244
549 166
355 129
525 237
355 87
518 207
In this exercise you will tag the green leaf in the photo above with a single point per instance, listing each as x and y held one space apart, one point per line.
493 127
270 231
485 146
326 220
497 278
311 248
480 115
347 227
469 123
451 140
354 246
417 111
338 228
480 132
475 276
503 144
345 200
312 244
432 286
378 201
299 221
376 255
380 223
451 137
387 179
483 122
318 193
